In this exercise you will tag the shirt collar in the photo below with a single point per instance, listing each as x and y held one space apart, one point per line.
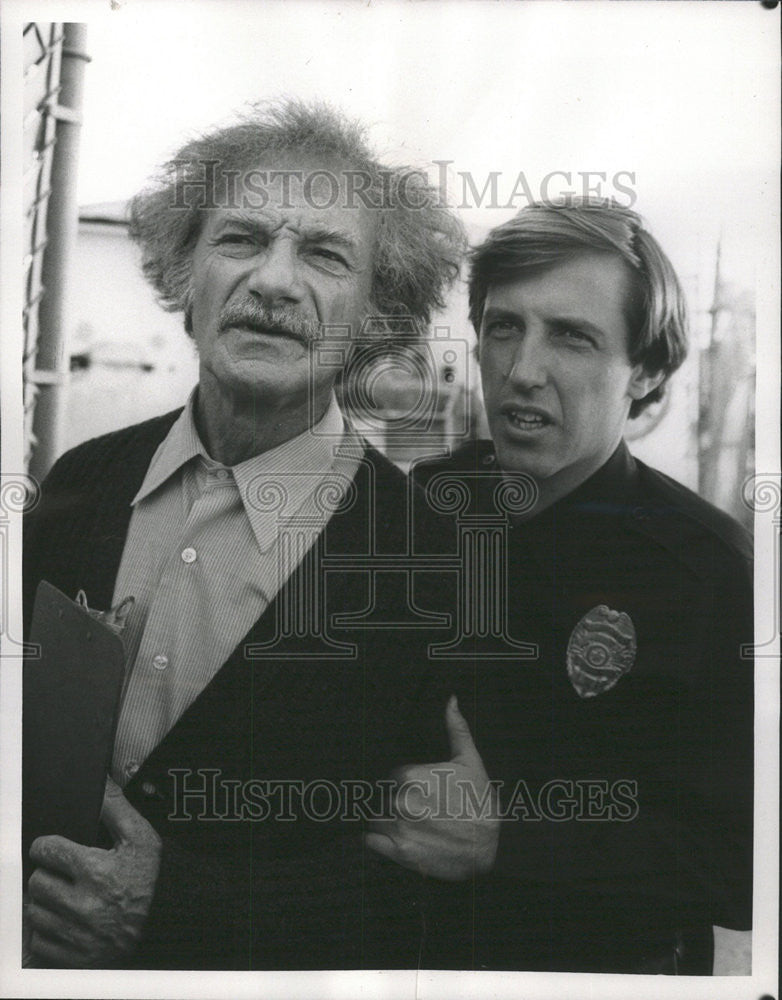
273 485
179 446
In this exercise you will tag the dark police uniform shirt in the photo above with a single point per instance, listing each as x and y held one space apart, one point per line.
628 787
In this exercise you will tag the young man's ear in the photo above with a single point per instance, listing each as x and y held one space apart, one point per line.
643 382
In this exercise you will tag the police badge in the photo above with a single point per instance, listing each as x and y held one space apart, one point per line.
601 649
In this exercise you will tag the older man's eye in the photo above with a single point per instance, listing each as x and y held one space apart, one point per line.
236 245
241 239
330 256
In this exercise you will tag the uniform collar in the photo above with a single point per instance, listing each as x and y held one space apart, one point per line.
608 487
606 491
561 534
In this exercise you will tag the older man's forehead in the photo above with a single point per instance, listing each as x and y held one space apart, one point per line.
320 180
350 232
305 223
304 194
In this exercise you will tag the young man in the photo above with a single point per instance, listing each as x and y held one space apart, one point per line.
623 742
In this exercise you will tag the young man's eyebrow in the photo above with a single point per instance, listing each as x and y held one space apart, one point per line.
496 312
577 322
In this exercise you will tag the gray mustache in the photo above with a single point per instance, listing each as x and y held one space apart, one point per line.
284 321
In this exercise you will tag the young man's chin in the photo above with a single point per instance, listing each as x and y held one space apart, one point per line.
523 454
510 460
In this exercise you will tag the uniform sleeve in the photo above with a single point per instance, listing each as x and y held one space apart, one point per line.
723 717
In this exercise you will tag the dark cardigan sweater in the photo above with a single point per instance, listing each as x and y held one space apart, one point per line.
253 893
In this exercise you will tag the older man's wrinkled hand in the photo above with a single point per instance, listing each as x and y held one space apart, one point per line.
88 906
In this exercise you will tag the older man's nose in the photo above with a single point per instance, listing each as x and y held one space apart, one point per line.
275 274
529 365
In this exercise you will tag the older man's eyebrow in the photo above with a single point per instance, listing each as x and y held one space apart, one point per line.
247 220
335 237
310 234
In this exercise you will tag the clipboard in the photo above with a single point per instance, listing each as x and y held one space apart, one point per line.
71 694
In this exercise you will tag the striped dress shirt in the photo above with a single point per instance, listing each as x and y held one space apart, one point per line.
203 561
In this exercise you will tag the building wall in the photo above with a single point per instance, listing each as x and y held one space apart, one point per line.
142 361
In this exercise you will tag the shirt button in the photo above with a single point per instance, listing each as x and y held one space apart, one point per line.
488 459
149 789
189 555
222 474
160 662
131 768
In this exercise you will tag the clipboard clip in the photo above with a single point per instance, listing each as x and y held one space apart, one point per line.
116 618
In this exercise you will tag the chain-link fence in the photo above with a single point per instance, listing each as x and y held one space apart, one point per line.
42 60
53 66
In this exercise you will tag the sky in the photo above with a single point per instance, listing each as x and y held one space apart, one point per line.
678 98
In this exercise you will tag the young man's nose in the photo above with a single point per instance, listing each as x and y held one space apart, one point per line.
528 366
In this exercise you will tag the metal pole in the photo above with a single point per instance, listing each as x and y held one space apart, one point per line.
708 441
62 219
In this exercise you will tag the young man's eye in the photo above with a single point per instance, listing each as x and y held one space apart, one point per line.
576 336
500 328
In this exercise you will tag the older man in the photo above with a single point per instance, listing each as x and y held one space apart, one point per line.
241 525
623 741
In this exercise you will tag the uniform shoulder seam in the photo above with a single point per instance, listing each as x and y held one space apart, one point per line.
692 507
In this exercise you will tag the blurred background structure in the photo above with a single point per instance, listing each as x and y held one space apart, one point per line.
54 58
101 354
